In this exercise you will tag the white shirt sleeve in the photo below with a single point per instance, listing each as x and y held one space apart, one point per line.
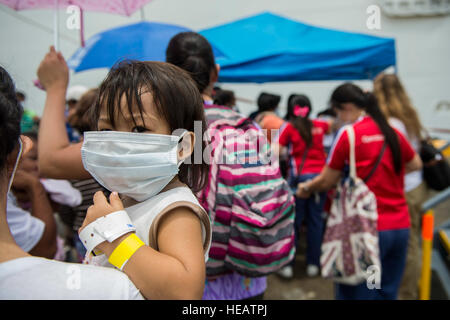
26 229
412 179
61 191
399 125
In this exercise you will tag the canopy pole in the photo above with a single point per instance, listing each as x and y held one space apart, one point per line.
142 14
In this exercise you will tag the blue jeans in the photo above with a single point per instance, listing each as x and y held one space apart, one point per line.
81 250
393 247
311 210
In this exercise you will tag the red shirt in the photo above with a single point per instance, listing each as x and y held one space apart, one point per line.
385 183
315 158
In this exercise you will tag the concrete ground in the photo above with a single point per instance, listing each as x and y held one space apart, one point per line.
301 287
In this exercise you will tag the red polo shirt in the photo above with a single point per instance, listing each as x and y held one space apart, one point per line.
315 158
386 184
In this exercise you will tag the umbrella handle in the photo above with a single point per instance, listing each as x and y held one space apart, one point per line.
56 27
81 27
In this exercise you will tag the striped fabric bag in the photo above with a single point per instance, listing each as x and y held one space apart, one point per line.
250 204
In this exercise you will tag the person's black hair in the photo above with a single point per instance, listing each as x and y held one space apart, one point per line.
10 115
224 98
303 124
79 117
192 52
176 99
268 102
327 112
289 106
350 93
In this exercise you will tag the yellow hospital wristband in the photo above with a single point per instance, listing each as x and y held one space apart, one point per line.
123 252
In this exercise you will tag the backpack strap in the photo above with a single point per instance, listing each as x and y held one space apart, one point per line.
380 156
303 160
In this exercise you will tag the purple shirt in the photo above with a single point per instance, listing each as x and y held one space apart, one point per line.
234 287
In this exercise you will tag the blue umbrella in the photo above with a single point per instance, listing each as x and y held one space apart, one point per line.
268 47
144 41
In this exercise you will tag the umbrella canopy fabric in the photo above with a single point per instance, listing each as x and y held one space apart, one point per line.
271 48
144 41
120 7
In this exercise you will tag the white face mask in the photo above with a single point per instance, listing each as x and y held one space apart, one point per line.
19 155
138 165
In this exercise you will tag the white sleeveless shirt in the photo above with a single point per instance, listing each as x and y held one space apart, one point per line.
147 215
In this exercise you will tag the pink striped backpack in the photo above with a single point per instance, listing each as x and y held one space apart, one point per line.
250 205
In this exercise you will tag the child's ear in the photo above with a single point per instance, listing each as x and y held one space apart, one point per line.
186 146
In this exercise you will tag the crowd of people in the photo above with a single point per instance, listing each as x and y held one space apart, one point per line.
115 182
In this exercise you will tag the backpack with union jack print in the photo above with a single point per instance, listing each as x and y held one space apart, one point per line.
350 243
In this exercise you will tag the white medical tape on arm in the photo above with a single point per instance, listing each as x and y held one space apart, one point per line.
106 228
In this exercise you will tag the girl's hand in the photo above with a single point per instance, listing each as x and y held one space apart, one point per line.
100 208
301 191
53 71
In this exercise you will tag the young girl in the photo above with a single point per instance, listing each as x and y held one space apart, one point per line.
141 107
304 138
143 110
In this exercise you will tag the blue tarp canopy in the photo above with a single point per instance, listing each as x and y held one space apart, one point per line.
271 48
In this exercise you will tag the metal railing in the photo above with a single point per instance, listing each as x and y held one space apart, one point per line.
445 146
427 241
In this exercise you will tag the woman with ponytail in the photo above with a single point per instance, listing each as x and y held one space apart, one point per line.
303 138
380 147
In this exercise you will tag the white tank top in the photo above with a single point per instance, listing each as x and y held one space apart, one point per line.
146 216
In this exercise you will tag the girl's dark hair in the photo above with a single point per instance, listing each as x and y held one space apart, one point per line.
350 93
327 112
175 96
192 52
224 98
303 124
80 119
10 115
289 106
268 101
